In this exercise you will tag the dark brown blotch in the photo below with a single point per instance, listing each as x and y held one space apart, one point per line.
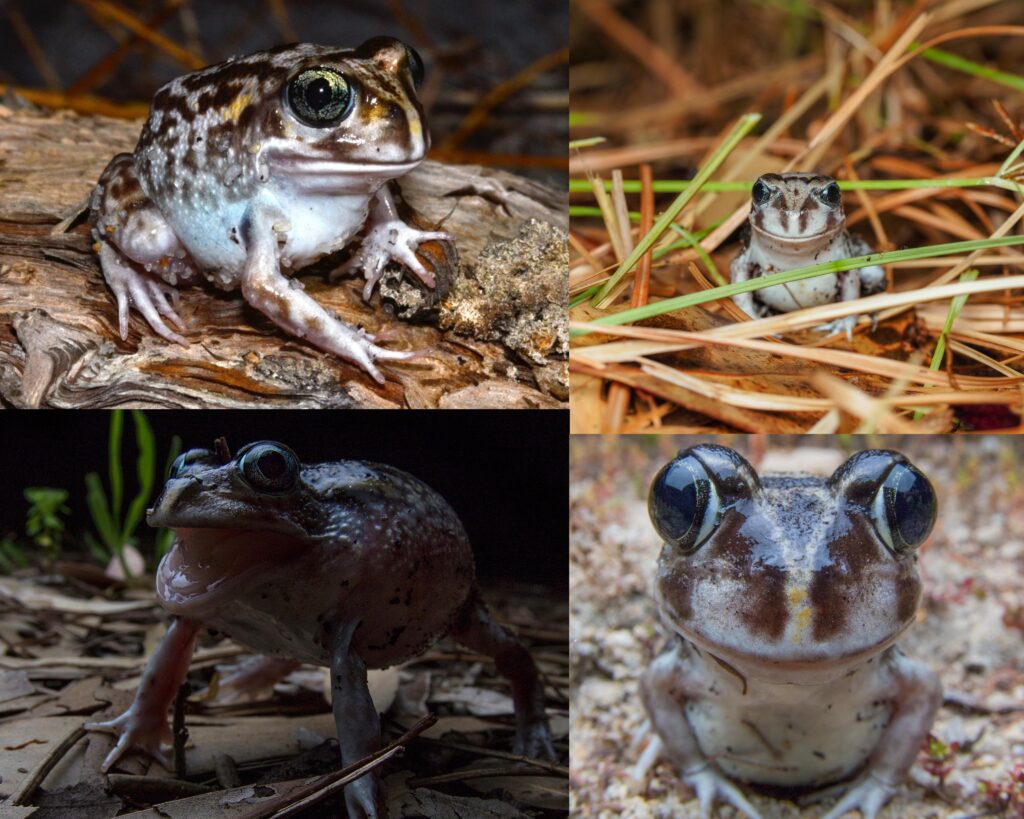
835 586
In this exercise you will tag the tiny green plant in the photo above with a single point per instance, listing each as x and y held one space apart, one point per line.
44 523
115 524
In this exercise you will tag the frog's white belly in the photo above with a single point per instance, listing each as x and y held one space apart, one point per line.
791 734
784 298
787 746
777 257
307 227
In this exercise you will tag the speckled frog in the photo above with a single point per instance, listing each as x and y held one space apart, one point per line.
265 163
787 594
796 220
349 565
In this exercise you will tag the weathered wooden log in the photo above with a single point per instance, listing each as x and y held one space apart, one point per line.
59 345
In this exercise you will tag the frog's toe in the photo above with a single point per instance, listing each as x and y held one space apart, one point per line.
843 326
535 742
709 785
133 734
868 794
142 297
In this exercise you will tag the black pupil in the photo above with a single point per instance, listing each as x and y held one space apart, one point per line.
760 192
273 465
318 93
675 503
832 194
912 504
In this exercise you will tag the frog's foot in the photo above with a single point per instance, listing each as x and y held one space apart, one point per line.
710 784
150 296
364 798
250 679
136 731
844 326
393 239
868 794
534 741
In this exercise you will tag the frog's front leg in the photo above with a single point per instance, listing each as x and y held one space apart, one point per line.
477 630
849 290
739 271
387 238
917 697
358 725
289 307
665 687
144 724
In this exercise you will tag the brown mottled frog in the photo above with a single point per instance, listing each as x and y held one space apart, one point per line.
262 164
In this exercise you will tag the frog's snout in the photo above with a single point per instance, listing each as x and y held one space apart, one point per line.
177 491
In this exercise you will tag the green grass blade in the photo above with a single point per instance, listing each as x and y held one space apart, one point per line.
114 463
145 472
956 304
172 453
740 130
590 142
96 500
690 240
798 274
955 61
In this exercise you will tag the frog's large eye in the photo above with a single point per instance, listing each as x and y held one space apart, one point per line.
321 97
177 466
683 503
830 194
761 193
269 468
904 508
415 65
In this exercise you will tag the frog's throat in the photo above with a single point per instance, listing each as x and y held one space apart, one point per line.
206 566
795 242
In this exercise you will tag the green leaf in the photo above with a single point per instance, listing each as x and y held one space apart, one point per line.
96 500
145 471
172 453
114 463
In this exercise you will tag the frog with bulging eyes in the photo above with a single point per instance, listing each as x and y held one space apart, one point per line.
797 220
262 164
786 594
350 565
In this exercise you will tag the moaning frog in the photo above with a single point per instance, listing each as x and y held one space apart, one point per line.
797 220
350 565
262 164
786 594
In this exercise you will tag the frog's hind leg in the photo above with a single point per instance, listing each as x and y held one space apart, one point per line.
269 291
477 630
140 256
250 679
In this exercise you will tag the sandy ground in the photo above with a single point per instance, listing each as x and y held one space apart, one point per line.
970 626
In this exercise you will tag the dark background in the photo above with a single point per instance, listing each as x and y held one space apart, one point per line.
505 473
468 49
